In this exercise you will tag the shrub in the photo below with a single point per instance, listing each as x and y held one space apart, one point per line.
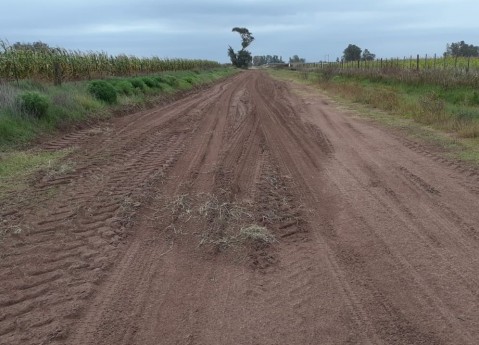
474 98
328 73
190 79
125 87
102 90
138 83
384 99
171 80
34 103
150 82
433 109
160 79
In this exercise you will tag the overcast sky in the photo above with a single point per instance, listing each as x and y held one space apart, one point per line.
316 30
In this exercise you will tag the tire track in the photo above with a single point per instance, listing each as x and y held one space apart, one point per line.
375 236
88 221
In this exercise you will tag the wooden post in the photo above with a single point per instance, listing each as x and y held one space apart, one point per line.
57 73
417 63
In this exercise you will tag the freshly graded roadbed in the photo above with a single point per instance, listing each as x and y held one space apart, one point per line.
376 237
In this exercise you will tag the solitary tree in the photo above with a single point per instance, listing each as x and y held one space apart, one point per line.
352 53
243 57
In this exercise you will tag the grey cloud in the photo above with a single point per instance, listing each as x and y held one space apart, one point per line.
313 29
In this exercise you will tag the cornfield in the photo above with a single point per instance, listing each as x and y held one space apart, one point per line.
66 65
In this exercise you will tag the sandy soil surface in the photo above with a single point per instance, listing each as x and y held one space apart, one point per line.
251 212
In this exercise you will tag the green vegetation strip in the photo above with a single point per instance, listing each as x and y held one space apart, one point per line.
29 109
445 114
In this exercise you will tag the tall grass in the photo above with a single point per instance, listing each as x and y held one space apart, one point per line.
440 98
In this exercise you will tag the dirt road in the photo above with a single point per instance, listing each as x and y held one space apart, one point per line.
146 238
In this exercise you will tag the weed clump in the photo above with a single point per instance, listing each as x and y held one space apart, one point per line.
139 84
433 109
328 73
34 103
150 82
103 91
124 87
171 80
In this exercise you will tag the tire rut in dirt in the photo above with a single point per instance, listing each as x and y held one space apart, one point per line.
247 215
68 242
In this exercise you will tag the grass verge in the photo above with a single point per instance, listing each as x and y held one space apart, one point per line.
29 109
444 118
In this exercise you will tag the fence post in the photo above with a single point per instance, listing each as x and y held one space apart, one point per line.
57 73
417 63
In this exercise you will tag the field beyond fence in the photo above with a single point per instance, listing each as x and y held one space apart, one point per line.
463 65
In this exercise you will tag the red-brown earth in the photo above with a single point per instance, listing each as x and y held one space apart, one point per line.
373 238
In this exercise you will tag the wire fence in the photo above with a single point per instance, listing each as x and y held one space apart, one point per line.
463 65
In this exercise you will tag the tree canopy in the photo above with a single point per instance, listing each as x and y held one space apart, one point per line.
242 58
461 48
352 53
267 59
246 36
35 46
296 59
368 56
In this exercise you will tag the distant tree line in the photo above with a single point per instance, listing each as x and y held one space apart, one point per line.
461 49
35 46
354 53
267 59
456 49
296 59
